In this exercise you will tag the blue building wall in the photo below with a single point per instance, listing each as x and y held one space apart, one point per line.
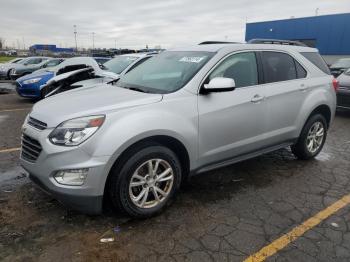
331 32
51 48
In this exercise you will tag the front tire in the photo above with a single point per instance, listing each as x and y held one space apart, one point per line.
312 138
146 182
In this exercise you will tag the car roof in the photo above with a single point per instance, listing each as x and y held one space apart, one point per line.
235 47
139 55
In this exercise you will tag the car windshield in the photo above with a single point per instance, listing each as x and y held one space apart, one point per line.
53 62
166 72
341 63
15 61
23 61
120 63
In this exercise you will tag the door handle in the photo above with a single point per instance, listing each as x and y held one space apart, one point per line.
303 88
257 99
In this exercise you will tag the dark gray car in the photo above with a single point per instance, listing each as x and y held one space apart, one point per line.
343 94
4 66
6 69
30 68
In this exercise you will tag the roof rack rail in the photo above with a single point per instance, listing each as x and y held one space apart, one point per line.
217 42
275 41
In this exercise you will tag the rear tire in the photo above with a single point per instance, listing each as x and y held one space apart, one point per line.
138 185
312 138
8 74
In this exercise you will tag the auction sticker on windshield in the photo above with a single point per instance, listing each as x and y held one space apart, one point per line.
192 59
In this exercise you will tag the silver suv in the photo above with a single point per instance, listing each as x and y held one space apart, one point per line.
183 112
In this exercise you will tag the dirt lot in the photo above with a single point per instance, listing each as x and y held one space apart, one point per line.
225 215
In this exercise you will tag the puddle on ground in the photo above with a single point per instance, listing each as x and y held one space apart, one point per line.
3 118
12 176
322 156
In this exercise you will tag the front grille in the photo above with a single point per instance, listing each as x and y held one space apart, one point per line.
31 148
37 124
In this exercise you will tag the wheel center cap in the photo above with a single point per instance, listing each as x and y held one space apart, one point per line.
150 182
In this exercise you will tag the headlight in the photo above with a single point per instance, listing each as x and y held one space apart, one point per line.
75 131
31 81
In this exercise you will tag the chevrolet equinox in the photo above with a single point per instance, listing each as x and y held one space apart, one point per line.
183 112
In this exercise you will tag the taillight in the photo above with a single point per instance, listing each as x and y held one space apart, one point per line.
335 83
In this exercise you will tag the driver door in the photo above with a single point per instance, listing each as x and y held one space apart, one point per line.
232 123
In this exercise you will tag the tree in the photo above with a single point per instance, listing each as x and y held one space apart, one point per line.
2 43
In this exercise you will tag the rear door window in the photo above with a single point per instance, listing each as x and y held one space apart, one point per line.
317 60
278 67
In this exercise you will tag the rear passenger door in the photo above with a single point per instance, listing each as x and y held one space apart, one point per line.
285 83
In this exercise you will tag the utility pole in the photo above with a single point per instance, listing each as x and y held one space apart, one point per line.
93 40
75 36
115 44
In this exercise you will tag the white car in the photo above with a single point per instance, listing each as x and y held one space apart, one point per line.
119 66
91 76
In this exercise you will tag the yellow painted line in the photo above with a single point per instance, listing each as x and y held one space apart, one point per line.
15 109
298 231
10 150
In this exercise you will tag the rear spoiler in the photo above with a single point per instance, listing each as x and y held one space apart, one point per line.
70 68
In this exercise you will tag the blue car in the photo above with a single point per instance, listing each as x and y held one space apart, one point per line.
30 86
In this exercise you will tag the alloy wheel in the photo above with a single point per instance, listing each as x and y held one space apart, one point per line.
315 137
151 183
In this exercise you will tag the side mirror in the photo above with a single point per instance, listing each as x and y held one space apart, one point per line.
220 84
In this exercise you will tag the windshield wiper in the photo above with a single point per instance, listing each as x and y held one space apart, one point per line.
137 89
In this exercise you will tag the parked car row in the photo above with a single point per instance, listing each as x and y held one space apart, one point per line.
77 72
178 113
341 70
8 70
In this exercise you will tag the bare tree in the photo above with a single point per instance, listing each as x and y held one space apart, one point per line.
2 42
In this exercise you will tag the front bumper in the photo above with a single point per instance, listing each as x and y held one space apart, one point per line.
87 198
85 204
14 76
3 74
31 90
343 97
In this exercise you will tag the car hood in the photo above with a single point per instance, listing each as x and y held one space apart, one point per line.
35 74
7 66
19 67
102 99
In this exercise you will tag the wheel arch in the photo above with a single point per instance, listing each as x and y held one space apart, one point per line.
170 142
325 111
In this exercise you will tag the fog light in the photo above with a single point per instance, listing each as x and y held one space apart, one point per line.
72 177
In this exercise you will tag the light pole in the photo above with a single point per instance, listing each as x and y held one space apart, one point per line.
75 37
316 11
93 40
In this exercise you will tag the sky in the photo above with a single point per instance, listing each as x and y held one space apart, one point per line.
137 23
